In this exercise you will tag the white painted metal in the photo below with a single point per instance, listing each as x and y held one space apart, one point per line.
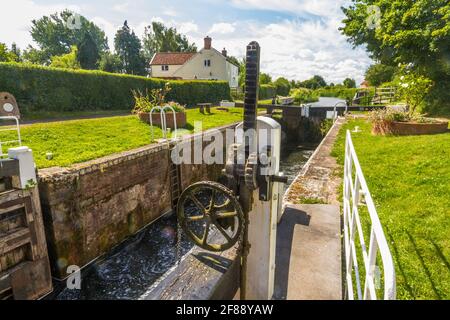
340 104
26 165
227 104
15 128
356 190
263 218
163 120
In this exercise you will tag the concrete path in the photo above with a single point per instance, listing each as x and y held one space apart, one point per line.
308 260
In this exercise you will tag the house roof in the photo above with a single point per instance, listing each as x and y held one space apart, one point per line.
171 58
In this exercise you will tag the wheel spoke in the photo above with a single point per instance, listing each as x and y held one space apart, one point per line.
195 218
223 215
223 232
197 203
223 205
205 235
212 203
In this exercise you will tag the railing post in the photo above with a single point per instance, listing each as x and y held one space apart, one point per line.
353 190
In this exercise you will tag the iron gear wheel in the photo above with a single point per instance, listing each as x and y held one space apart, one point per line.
251 172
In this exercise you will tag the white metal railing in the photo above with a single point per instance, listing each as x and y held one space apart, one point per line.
339 104
10 128
355 192
163 120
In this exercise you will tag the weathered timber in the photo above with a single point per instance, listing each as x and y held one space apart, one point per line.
24 265
201 275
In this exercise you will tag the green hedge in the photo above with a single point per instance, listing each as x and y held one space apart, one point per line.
338 92
303 95
267 91
40 88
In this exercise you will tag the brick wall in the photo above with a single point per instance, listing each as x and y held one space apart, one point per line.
91 207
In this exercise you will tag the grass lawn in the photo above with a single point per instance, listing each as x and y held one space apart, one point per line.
409 178
51 115
77 141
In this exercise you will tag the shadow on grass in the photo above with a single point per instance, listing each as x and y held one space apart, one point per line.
398 264
441 255
424 266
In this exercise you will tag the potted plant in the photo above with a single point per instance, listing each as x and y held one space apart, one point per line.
144 103
412 89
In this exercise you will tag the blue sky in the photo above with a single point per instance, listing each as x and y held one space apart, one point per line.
299 38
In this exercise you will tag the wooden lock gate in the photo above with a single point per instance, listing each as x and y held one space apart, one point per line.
24 265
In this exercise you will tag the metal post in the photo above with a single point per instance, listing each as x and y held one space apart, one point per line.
251 91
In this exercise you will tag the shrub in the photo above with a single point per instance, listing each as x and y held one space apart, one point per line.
283 86
413 89
303 95
338 92
39 88
267 91
156 97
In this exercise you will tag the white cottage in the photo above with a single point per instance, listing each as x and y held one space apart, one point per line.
207 64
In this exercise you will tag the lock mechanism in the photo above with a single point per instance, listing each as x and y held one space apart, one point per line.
210 215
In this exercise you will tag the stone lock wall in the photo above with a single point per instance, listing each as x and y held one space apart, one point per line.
91 207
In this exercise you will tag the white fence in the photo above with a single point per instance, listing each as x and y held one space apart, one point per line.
356 194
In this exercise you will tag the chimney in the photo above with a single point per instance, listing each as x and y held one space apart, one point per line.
224 52
208 41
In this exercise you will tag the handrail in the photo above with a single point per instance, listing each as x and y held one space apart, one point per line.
355 190
17 128
335 107
163 120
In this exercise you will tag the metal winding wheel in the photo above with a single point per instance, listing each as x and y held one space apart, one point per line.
207 206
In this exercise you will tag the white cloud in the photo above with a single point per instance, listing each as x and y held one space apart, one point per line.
109 28
297 49
16 23
222 28
121 7
170 12
317 7
187 27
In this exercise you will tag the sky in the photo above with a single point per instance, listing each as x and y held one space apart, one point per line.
298 38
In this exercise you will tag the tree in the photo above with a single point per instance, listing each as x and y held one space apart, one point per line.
159 38
283 86
378 74
265 78
33 55
413 89
242 72
88 53
233 60
57 33
66 61
405 32
16 51
7 55
349 83
315 82
110 62
129 49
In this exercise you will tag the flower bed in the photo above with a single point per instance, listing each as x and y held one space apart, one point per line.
408 128
156 119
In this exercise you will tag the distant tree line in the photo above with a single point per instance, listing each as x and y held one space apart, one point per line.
68 40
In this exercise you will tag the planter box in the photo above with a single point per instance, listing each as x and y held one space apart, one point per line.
156 119
408 128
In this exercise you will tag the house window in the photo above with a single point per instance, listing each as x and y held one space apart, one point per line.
165 68
207 63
